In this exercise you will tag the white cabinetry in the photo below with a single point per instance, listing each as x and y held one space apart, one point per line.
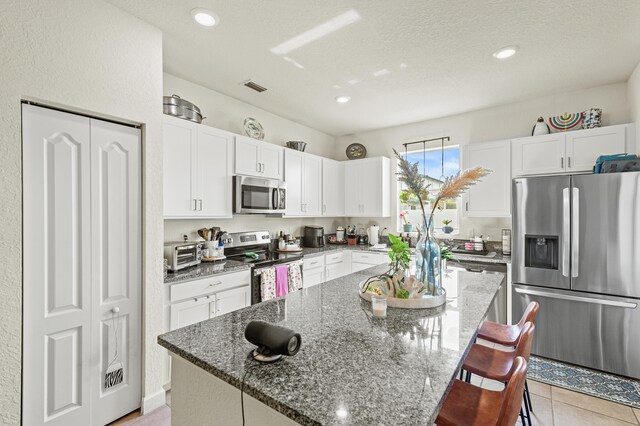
333 187
191 311
313 271
492 196
336 265
569 152
366 259
367 187
304 183
197 170
258 158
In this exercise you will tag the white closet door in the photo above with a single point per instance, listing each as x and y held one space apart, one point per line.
116 276
57 268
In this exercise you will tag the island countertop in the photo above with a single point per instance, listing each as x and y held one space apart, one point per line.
352 368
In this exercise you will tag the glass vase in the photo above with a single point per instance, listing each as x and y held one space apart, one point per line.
428 259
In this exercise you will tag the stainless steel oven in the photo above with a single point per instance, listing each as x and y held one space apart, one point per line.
257 195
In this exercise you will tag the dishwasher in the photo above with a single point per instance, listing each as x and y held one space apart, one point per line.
498 309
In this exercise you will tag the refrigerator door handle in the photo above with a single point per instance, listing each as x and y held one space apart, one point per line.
573 298
566 231
575 243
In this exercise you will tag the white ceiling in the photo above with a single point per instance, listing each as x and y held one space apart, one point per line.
446 45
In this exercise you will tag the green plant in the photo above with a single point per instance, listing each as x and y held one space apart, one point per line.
445 252
406 197
400 254
446 222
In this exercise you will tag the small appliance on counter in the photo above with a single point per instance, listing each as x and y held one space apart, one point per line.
182 254
313 236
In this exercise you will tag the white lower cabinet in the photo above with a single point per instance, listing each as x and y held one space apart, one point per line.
195 301
336 265
364 260
313 271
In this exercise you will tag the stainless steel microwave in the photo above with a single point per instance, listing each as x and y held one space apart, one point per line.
258 195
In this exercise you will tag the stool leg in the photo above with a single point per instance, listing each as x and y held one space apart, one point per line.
461 373
526 410
528 395
522 417
468 379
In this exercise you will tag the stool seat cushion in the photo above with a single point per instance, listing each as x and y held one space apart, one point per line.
470 405
490 363
503 334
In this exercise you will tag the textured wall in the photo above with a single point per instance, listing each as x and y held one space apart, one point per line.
82 55
634 102
503 122
224 112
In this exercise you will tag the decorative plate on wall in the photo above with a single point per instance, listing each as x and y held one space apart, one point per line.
566 121
253 128
356 151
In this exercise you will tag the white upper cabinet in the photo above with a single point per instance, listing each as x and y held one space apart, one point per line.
538 155
197 170
490 197
585 146
570 152
258 158
367 187
333 185
303 175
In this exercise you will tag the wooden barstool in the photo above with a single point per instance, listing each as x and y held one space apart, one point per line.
470 405
496 364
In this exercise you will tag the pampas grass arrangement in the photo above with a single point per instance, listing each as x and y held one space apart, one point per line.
453 186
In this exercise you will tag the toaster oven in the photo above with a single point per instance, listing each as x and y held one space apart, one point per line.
182 254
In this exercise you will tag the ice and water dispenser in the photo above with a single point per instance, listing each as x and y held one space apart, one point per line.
541 251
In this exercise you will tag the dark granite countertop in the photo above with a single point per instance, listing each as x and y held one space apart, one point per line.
204 270
352 368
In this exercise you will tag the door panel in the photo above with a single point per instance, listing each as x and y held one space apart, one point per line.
312 181
333 184
247 152
213 181
580 328
272 159
540 226
492 196
353 189
56 296
116 259
371 180
608 234
538 155
584 147
293 177
179 145
191 311
232 300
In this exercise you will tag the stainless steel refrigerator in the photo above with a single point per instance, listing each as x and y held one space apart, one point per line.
576 251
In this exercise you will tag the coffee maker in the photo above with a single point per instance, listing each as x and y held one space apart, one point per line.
313 236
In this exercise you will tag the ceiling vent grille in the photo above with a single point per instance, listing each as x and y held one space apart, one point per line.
251 85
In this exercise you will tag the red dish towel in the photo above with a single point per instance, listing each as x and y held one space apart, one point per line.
282 280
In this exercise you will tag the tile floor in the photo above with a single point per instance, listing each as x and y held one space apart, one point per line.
552 407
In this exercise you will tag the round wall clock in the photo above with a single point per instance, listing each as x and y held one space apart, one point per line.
356 151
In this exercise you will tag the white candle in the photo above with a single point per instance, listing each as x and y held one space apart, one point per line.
380 311
379 306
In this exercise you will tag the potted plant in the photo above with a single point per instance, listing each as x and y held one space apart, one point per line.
406 226
446 228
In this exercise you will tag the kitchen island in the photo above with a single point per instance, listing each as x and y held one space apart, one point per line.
352 368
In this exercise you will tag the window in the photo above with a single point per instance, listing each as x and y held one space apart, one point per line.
436 165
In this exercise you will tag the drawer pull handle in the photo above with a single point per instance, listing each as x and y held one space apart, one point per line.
215 284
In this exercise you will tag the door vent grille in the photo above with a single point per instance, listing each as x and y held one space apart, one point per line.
251 85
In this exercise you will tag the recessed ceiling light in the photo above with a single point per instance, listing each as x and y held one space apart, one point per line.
343 99
204 17
505 52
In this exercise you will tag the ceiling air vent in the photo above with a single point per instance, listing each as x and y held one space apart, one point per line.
251 85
